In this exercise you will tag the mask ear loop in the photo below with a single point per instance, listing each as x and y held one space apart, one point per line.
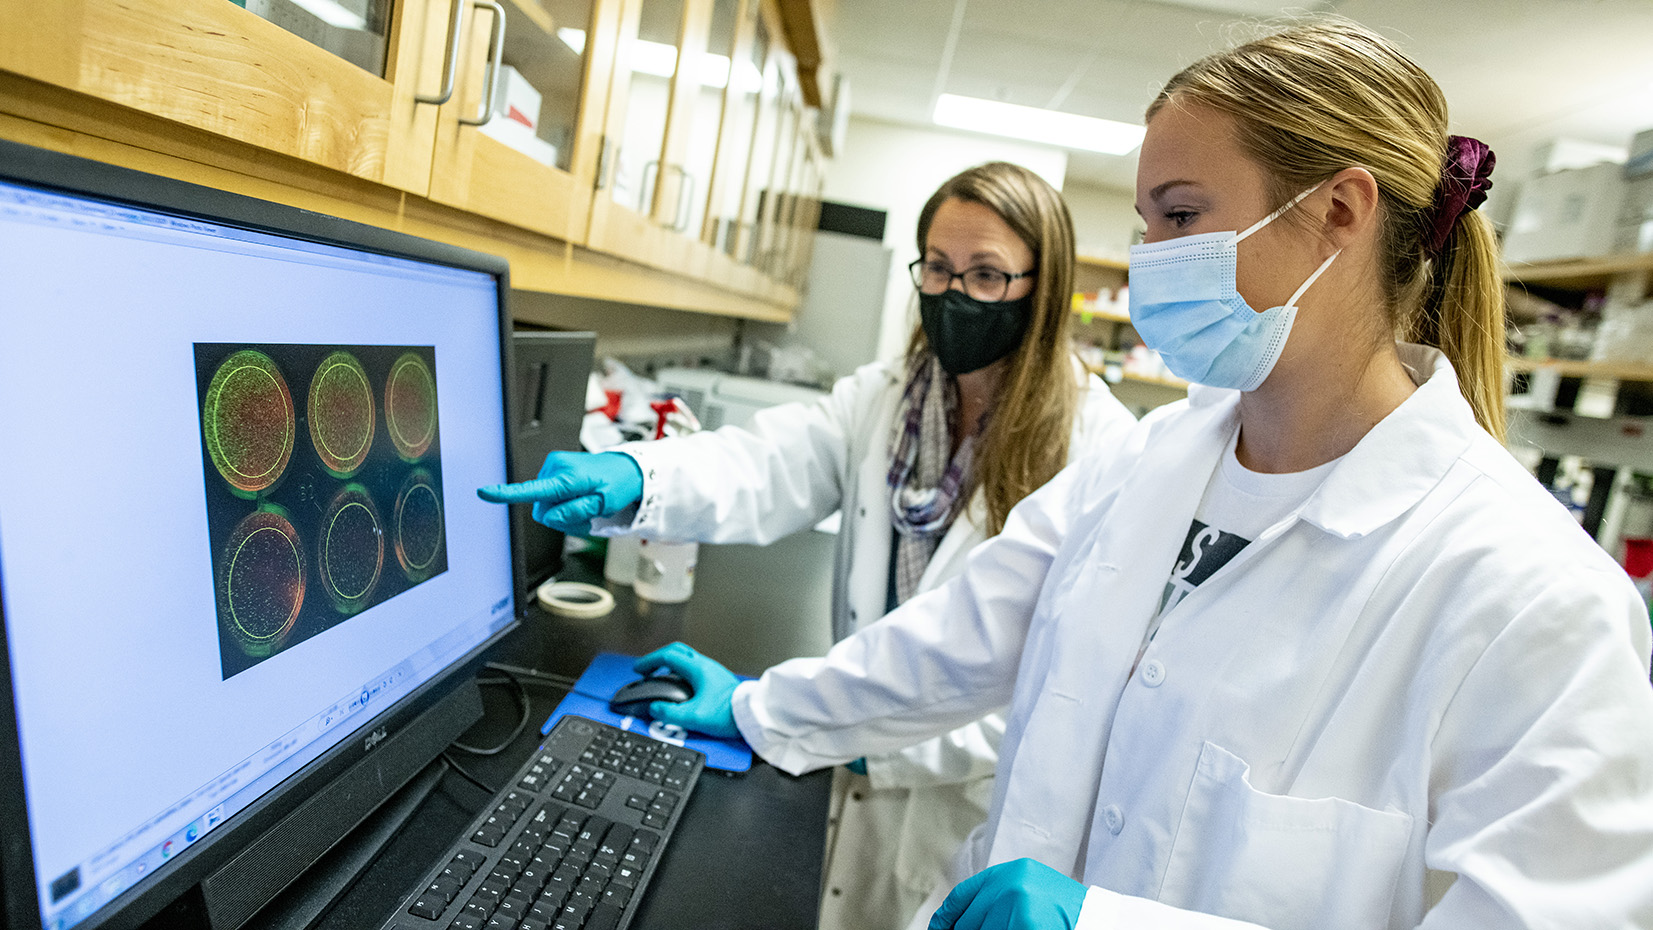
1292 302
1276 214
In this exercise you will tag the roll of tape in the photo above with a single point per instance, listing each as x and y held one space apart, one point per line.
575 599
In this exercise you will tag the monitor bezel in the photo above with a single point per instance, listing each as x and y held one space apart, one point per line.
73 175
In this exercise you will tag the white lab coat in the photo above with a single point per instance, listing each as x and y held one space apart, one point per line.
896 830
1425 676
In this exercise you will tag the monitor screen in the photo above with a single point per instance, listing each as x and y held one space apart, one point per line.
237 508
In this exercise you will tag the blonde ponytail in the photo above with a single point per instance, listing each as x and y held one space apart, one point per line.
1463 316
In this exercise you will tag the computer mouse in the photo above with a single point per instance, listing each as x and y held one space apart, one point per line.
633 699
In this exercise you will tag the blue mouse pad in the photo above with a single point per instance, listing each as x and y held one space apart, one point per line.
603 677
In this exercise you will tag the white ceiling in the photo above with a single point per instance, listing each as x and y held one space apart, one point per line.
1516 73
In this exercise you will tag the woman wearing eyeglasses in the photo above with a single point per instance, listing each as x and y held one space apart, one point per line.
925 457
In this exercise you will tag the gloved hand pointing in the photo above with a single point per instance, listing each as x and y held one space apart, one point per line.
711 710
1023 894
573 488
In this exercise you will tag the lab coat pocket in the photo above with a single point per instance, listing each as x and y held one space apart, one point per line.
1286 863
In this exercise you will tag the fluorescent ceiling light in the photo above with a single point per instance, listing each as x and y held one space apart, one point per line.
332 13
660 60
1065 130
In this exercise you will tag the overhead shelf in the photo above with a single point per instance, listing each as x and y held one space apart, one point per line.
1110 264
1574 368
1577 274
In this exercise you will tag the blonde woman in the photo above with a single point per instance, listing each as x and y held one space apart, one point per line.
1314 651
925 458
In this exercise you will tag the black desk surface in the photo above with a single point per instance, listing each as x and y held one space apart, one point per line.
747 853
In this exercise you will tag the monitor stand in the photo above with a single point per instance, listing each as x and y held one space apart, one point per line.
310 857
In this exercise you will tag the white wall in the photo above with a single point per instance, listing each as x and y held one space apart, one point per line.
1104 220
895 169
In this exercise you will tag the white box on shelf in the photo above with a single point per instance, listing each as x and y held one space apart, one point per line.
522 139
1635 227
515 99
1640 162
1568 214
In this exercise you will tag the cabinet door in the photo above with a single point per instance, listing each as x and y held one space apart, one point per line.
215 66
691 150
760 165
658 67
488 158
721 228
772 193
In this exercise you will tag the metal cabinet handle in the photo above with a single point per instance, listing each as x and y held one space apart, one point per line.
492 78
450 61
685 200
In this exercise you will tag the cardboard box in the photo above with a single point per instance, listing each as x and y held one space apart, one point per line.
1568 214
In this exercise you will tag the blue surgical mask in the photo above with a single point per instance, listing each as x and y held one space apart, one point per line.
1186 306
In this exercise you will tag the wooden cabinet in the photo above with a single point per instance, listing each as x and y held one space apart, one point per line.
481 174
213 66
662 124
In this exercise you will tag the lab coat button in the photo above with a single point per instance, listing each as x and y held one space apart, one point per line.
1153 673
1114 818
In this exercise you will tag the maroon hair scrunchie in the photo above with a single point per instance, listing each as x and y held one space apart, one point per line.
1466 176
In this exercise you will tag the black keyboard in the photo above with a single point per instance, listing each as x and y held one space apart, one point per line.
569 844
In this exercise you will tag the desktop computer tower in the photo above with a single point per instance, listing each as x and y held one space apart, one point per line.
550 373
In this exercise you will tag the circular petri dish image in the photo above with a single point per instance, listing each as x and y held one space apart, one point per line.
418 527
248 423
261 582
341 414
350 549
410 406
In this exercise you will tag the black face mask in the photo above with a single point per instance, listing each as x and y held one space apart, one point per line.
968 334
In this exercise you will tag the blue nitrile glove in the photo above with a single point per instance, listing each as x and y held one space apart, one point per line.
1023 894
711 710
573 488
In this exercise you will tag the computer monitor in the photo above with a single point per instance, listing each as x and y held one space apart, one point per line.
244 577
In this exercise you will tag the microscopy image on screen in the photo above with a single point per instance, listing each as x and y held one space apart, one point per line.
323 486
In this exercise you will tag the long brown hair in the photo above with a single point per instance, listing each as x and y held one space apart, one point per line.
1321 96
1026 440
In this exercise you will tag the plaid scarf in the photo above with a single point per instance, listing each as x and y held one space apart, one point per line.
924 485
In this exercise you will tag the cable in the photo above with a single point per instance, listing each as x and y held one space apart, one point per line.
561 681
453 763
522 723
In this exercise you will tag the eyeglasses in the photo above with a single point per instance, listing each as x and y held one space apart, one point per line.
988 285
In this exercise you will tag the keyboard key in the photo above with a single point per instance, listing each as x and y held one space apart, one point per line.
604 917
514 906
428 906
616 895
470 861
466 921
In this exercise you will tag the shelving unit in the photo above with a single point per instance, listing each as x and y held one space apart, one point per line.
1573 368
1093 274
1614 447
1579 275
